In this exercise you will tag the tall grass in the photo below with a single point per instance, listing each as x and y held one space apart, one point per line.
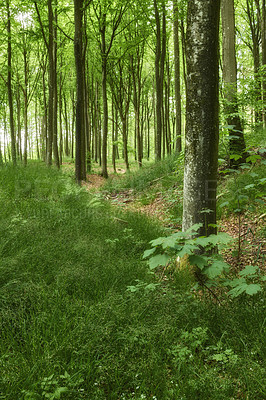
82 318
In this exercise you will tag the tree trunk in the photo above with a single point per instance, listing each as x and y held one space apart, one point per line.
236 139
78 5
178 131
105 101
254 24
159 73
9 86
51 86
25 104
55 91
263 46
202 122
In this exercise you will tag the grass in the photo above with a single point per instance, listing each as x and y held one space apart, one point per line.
140 179
81 317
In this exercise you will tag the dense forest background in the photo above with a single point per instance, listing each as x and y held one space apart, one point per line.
133 75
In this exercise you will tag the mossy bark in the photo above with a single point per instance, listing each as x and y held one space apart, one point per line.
202 122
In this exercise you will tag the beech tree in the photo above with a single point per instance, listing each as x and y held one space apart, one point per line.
202 123
177 77
160 54
78 4
236 139
9 84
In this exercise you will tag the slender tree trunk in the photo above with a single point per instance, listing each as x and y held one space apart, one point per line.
263 47
25 104
183 39
124 133
51 86
66 127
202 115
159 74
19 149
254 23
9 86
78 5
105 100
178 131
236 139
113 136
55 91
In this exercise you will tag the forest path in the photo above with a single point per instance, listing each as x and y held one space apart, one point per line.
127 199
253 246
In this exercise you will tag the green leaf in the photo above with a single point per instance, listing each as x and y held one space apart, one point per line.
253 158
194 228
237 290
245 166
253 288
249 270
214 240
159 259
157 242
235 157
253 174
216 269
252 185
187 249
224 204
149 252
199 261
212 225
170 241
59 391
206 211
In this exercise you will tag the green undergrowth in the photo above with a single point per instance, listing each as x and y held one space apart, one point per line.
144 177
82 317
243 190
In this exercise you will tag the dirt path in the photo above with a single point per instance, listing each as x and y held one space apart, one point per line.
253 247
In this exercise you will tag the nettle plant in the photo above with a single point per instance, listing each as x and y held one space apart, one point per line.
202 253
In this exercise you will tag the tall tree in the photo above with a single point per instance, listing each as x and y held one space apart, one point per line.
78 50
177 77
160 54
253 13
109 17
263 48
236 139
9 85
202 122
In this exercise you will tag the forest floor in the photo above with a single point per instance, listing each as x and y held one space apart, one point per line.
244 229
82 316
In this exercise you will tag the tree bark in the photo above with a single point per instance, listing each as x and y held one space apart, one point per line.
202 122
9 86
178 131
51 86
104 97
160 53
236 138
263 47
78 7
55 91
